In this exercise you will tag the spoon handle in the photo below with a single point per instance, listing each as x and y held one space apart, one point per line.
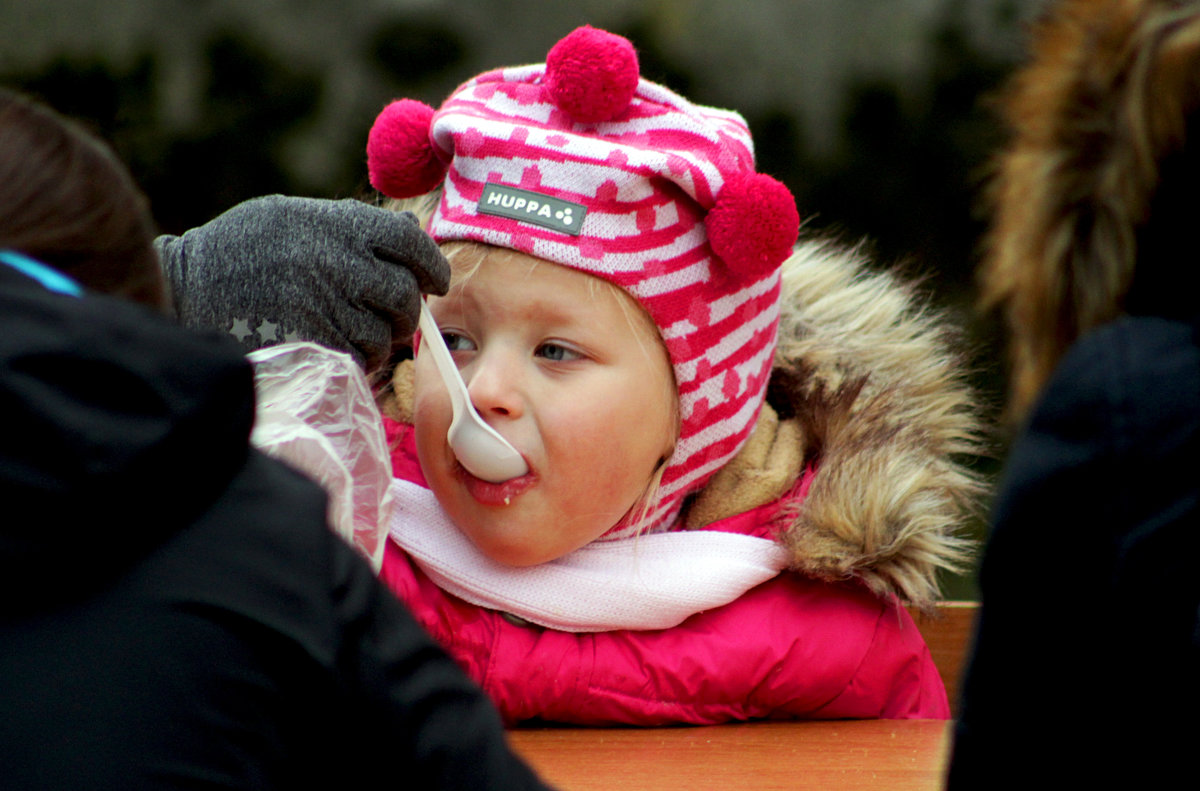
459 399
478 446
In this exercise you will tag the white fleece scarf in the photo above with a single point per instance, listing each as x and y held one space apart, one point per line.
645 582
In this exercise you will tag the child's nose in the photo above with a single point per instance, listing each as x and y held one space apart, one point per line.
492 384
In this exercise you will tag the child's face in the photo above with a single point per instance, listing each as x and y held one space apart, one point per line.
571 371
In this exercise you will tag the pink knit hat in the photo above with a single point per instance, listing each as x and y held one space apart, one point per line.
581 162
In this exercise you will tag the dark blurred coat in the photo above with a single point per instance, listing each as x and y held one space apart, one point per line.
1087 657
174 611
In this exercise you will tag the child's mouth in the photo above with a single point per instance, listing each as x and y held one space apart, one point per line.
496 494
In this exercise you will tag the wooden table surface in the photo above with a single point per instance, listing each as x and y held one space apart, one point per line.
855 754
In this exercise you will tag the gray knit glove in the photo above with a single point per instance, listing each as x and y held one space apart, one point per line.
343 274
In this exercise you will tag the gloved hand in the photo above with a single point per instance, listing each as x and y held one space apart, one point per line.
342 273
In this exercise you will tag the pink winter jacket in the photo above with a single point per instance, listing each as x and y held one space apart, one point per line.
790 648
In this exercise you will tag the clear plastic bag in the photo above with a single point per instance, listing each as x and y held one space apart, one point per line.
316 412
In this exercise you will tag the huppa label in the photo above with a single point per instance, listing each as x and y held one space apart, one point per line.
532 207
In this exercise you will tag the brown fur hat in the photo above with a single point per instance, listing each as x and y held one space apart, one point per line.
1101 107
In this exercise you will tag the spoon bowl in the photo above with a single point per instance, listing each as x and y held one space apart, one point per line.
479 447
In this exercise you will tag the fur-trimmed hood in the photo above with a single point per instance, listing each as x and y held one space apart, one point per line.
867 385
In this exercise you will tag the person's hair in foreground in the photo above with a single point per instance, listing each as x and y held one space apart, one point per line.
1091 192
69 203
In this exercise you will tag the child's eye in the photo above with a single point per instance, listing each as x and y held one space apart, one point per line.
457 343
556 352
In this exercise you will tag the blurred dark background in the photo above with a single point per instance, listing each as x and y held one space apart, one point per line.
874 112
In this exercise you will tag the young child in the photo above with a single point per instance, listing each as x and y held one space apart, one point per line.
725 502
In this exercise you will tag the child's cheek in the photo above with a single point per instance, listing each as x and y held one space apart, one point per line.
430 398
431 414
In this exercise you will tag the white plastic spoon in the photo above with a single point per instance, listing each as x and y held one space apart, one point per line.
478 446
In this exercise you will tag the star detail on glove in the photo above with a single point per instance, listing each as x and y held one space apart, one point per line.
241 329
268 332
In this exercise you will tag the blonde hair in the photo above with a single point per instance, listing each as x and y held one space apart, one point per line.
1103 102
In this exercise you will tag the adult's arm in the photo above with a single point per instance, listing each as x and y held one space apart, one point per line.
436 728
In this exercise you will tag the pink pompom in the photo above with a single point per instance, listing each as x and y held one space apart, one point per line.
401 160
592 74
753 225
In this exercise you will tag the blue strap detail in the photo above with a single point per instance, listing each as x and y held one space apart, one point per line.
52 279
